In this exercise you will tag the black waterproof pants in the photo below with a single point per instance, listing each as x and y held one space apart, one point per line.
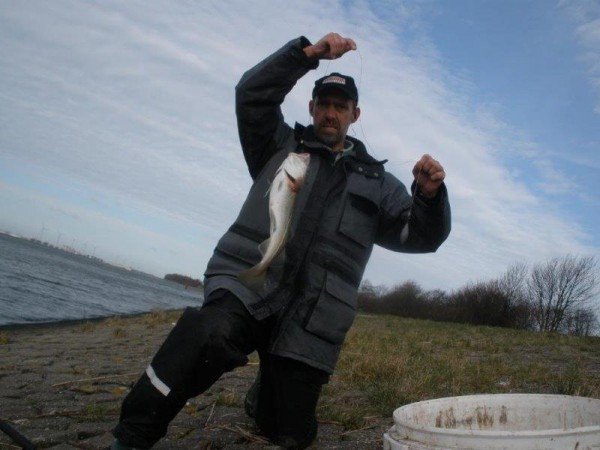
205 343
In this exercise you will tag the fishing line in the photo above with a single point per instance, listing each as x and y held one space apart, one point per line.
360 77
364 135
362 130
327 68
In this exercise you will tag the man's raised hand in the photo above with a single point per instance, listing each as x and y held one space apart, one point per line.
429 175
330 46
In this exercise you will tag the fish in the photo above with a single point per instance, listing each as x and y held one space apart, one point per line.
286 184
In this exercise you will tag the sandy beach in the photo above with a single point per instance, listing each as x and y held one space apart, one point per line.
61 385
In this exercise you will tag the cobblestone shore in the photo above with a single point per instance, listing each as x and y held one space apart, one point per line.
62 385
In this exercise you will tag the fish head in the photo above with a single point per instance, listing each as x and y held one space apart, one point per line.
295 167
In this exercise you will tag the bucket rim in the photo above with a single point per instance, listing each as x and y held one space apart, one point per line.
399 425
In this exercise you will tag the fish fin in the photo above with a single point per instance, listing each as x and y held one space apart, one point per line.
271 182
292 179
253 278
263 246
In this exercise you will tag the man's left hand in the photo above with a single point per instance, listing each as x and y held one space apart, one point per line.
429 175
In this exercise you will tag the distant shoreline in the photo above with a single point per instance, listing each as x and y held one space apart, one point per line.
74 253
69 322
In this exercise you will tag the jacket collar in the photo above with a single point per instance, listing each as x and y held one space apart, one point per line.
306 136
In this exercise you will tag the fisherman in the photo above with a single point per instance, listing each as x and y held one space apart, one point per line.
298 319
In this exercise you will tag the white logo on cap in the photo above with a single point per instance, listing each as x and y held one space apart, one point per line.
334 79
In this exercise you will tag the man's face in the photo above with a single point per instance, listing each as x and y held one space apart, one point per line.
332 114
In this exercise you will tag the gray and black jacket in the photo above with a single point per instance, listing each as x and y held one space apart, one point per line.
343 209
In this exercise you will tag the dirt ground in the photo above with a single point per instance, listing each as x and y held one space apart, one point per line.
62 385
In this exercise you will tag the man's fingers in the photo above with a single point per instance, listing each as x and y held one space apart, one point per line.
416 169
347 44
427 165
419 168
335 45
438 176
429 168
419 165
340 46
333 42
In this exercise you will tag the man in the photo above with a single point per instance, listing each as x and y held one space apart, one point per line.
298 320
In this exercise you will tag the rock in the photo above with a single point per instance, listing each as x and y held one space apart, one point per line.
101 442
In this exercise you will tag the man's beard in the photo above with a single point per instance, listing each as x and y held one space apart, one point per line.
329 139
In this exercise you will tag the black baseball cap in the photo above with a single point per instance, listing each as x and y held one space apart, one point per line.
337 81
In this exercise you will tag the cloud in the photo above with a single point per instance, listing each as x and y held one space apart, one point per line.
586 15
111 237
555 182
134 102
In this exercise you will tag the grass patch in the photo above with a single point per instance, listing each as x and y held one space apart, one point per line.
4 339
98 412
86 389
118 391
349 419
78 370
156 317
228 398
119 333
573 381
393 361
87 327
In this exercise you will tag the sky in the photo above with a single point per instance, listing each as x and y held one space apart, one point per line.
118 133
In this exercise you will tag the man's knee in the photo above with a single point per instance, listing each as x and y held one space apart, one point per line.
221 349
216 337
200 347
203 344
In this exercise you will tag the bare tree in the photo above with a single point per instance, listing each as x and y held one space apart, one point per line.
559 287
582 322
403 300
512 283
516 308
369 295
371 290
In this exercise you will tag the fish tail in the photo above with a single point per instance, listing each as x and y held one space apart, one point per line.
253 278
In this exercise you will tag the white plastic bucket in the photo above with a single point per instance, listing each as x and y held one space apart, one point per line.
501 421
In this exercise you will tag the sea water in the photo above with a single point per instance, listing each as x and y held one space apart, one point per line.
39 283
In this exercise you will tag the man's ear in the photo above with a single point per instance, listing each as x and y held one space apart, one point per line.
356 114
311 105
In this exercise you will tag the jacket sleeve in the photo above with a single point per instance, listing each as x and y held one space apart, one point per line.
258 98
412 224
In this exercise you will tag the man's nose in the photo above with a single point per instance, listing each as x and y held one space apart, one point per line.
330 111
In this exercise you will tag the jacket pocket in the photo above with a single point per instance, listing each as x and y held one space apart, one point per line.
361 210
334 310
233 254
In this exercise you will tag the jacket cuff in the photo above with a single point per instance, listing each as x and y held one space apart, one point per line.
425 201
298 46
